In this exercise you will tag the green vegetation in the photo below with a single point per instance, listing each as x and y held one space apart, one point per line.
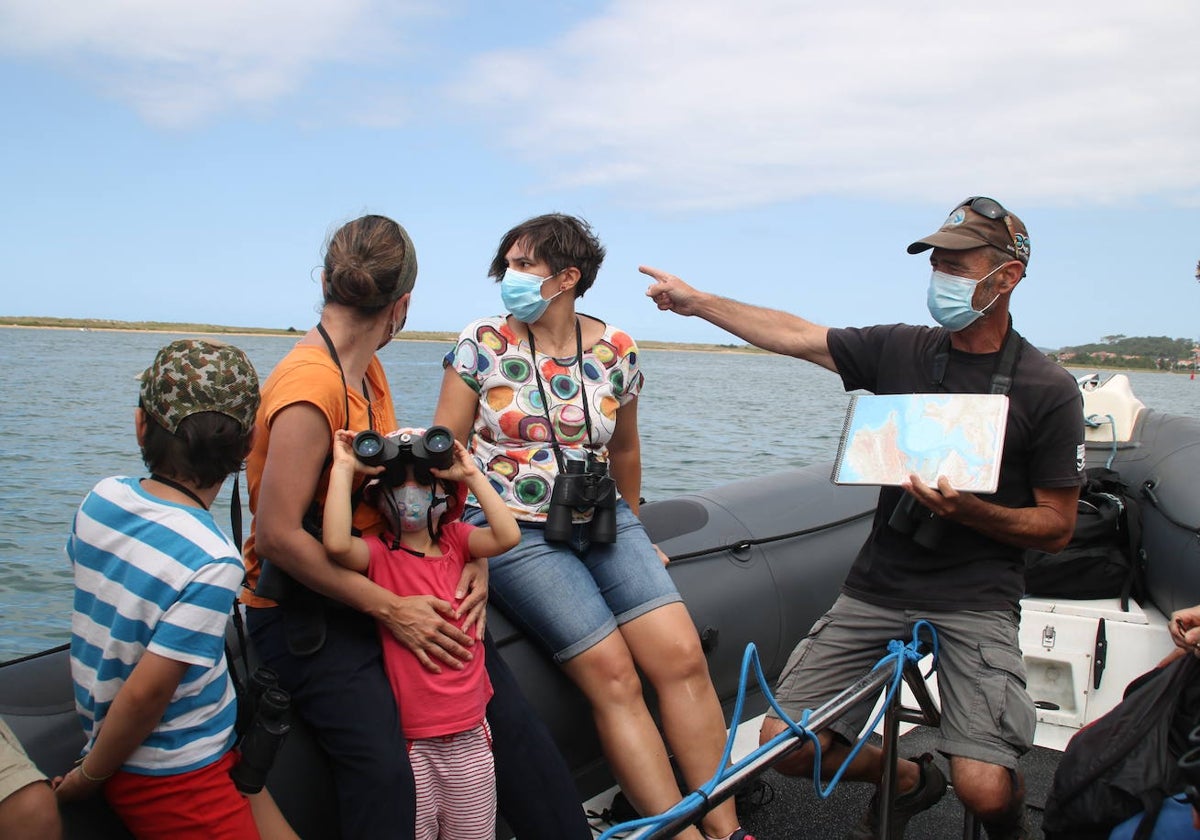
1142 352
1112 351
140 326
214 329
162 326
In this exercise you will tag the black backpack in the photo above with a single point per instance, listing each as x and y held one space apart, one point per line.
1104 558
1126 762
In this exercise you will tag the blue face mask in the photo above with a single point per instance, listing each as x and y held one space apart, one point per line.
950 299
522 295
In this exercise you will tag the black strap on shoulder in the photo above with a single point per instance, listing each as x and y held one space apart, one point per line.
1006 365
355 497
587 417
235 511
235 522
940 362
1006 362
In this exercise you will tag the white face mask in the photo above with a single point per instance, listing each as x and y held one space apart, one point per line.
414 508
950 298
410 507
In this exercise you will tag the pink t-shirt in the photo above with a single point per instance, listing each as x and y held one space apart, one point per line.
430 704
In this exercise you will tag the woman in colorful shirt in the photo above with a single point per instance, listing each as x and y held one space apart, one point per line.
546 399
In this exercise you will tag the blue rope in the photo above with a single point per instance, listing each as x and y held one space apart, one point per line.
1094 421
898 653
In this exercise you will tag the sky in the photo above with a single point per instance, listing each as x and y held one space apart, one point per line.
175 160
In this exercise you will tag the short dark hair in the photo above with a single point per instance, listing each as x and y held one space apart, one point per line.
206 448
999 257
562 241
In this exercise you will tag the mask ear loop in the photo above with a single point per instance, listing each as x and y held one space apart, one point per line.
985 277
435 529
394 519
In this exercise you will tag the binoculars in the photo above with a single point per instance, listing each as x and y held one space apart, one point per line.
263 719
582 486
435 448
913 519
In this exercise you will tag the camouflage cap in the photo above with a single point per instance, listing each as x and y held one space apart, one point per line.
191 376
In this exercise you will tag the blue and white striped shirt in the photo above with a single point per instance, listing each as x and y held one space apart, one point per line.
153 576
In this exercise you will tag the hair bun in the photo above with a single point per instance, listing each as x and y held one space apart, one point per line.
369 263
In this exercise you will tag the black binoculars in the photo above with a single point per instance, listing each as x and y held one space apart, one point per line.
435 448
263 717
913 519
582 486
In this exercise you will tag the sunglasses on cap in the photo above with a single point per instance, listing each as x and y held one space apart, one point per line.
991 209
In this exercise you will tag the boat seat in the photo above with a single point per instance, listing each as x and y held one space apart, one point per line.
1110 408
1079 656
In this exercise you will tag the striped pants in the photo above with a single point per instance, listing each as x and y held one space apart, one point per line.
456 785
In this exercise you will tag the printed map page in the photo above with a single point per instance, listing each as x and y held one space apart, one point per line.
959 436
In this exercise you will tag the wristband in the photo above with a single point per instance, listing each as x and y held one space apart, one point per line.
90 778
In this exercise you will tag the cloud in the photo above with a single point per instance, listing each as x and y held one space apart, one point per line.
179 61
691 103
706 103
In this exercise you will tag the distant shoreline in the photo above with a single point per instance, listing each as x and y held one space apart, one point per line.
104 325
182 328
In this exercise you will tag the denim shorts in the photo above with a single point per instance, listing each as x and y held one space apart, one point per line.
986 713
570 596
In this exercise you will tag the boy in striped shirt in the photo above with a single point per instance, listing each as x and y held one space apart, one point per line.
155 579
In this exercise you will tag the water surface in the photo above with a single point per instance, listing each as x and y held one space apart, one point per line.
66 421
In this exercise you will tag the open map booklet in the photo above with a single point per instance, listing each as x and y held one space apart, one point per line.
887 437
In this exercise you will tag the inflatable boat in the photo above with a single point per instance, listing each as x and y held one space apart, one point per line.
758 560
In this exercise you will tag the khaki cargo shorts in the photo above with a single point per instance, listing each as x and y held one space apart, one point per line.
986 713
16 770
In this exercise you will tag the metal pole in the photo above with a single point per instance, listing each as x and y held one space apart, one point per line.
887 779
929 714
818 721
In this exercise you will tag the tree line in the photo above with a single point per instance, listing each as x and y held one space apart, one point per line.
1148 352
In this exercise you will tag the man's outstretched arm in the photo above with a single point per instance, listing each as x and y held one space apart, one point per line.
770 329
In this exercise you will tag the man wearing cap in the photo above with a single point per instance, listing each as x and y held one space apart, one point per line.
968 584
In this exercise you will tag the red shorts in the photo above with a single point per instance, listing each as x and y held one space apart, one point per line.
200 805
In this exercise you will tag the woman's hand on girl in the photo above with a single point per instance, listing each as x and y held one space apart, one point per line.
422 623
472 596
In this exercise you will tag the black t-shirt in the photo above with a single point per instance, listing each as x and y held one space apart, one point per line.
1043 445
